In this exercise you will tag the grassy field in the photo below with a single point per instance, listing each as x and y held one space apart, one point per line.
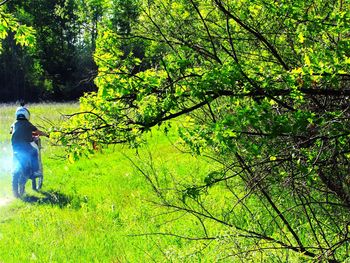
95 210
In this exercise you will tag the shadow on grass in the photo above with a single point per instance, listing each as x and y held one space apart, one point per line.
51 197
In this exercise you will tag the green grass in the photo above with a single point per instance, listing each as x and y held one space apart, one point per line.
103 209
93 210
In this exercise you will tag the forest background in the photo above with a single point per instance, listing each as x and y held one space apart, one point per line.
57 63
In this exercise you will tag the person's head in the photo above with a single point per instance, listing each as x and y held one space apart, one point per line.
22 113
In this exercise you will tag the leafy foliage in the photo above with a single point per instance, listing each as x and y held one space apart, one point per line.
264 88
23 34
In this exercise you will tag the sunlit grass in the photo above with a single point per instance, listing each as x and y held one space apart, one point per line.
102 209
92 210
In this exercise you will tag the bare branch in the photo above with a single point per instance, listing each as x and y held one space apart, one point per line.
4 2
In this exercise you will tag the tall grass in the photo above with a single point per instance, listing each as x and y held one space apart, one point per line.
95 210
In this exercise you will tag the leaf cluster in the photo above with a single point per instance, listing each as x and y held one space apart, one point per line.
261 86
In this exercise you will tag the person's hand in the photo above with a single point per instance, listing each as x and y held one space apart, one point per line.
40 133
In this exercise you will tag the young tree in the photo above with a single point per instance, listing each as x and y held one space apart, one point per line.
264 86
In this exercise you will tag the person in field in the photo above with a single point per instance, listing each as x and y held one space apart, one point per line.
22 131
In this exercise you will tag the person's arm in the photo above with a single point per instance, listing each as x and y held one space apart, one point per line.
40 133
36 131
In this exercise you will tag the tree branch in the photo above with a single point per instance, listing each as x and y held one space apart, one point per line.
4 2
258 35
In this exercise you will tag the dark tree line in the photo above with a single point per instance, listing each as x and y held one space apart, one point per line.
60 65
